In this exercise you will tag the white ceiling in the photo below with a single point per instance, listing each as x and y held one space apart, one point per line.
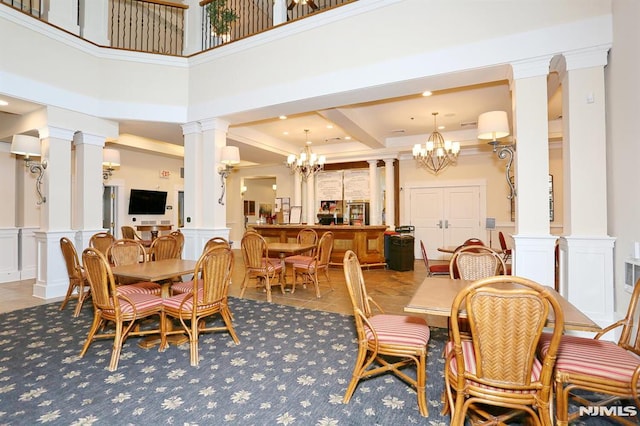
353 127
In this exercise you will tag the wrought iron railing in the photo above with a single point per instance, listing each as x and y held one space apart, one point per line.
150 26
32 7
254 17
158 26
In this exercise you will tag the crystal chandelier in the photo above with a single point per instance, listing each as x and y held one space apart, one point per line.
436 154
307 163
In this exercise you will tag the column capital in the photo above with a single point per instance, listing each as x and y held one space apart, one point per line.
55 132
534 67
214 124
586 58
190 128
82 138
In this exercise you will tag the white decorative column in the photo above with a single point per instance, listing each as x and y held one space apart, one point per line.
534 244
94 21
192 189
192 28
311 206
214 137
390 193
55 214
63 13
88 188
586 249
374 194
279 12
297 190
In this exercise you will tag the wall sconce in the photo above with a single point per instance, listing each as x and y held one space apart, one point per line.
275 188
229 156
30 146
243 190
494 125
110 160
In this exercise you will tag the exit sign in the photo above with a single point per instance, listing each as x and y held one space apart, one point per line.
165 174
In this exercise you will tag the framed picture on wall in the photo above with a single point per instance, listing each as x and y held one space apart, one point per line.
296 214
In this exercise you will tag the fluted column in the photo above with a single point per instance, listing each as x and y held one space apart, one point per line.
310 205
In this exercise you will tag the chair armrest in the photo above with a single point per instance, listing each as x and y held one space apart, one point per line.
609 328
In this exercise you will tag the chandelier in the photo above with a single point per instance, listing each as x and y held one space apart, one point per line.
436 154
308 163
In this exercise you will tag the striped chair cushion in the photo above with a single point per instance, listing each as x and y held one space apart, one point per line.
275 264
175 302
468 353
141 301
593 357
298 258
185 287
145 287
399 330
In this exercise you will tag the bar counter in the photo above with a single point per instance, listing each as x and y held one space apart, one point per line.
366 241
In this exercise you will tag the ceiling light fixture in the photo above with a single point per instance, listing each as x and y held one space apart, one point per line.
436 154
308 163
494 125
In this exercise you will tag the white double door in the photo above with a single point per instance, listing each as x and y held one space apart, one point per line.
445 216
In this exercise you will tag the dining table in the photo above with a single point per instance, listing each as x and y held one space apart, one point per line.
283 250
435 296
153 229
163 271
452 249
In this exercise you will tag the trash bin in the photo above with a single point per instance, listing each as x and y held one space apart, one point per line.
387 244
401 256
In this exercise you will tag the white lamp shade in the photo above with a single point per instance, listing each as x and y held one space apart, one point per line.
110 157
230 155
25 145
493 125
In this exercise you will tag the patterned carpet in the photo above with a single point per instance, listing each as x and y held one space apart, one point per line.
291 368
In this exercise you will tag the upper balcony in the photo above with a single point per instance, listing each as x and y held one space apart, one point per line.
160 27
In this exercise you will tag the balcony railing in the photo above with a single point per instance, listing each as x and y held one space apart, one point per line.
158 26
254 17
148 26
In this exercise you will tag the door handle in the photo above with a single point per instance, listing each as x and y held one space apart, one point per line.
446 224
440 224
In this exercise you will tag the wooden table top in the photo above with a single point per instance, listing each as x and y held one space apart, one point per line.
289 248
154 227
435 297
156 271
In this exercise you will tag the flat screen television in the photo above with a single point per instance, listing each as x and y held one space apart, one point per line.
142 201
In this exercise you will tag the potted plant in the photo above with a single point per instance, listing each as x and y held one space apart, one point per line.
221 18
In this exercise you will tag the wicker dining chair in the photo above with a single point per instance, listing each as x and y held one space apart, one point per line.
78 285
495 375
600 373
187 286
178 235
257 264
128 233
101 241
304 236
307 269
110 306
164 247
433 269
474 262
207 298
386 343
506 251
127 252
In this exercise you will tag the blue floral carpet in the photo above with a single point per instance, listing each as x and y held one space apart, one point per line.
292 367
